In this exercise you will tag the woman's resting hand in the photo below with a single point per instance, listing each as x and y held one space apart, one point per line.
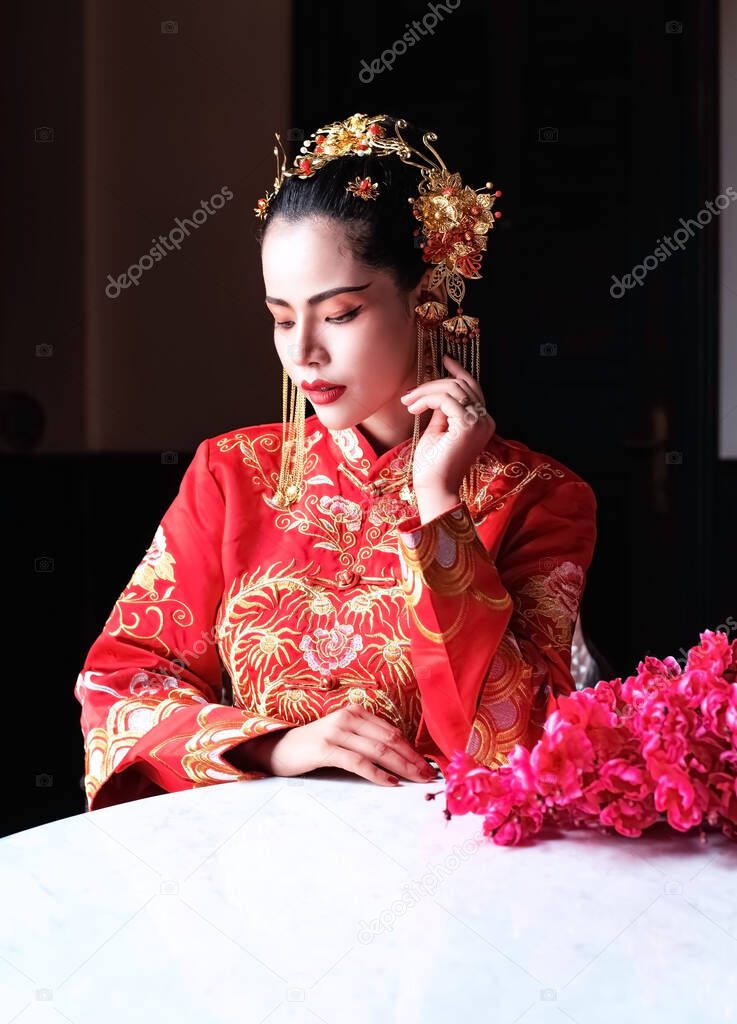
350 738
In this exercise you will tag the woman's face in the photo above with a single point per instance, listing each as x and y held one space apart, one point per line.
347 324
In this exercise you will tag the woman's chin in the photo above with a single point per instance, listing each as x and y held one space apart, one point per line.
334 418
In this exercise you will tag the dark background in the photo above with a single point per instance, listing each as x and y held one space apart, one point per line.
599 123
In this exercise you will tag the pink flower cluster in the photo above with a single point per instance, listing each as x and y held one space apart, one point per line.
660 746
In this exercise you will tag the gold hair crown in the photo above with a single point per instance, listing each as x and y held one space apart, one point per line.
455 218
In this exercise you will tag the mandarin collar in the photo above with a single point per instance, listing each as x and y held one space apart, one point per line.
351 447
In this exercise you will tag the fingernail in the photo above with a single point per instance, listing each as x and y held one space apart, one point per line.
393 779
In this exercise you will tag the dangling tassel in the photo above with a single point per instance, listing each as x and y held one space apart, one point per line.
428 317
461 340
291 472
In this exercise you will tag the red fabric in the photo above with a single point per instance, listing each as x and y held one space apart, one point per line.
457 630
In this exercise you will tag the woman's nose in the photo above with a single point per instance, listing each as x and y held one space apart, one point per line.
303 346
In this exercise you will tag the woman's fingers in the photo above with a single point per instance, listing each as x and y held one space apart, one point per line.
461 389
446 403
388 748
459 370
378 748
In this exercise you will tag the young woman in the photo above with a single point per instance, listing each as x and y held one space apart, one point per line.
381 583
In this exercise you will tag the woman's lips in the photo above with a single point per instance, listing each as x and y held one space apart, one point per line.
318 397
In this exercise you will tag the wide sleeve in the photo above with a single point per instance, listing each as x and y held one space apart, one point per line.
150 687
491 634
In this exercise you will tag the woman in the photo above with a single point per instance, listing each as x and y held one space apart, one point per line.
384 582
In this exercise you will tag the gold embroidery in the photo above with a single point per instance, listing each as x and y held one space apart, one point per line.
127 720
269 441
502 716
441 556
490 468
143 616
549 605
267 627
156 564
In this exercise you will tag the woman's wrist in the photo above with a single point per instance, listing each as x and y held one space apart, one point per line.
254 755
433 503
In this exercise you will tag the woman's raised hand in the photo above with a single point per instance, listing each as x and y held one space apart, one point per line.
460 428
350 738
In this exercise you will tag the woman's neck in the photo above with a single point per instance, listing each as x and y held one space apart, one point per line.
383 436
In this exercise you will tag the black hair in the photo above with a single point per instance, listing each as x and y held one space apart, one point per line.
382 233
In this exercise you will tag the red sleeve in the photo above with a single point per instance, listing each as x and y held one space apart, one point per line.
491 637
151 685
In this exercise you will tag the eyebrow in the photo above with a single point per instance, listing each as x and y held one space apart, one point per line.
321 296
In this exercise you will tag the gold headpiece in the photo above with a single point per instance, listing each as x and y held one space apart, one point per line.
454 222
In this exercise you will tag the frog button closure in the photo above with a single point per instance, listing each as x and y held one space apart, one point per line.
346 578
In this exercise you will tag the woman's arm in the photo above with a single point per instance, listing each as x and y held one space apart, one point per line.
150 686
490 638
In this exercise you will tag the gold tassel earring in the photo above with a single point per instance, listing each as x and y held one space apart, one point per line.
428 318
436 337
461 340
291 472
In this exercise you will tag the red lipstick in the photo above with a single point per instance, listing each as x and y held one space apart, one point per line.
322 392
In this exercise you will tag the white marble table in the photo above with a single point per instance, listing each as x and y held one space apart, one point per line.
328 898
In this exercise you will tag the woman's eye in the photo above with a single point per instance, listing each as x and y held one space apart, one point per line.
343 319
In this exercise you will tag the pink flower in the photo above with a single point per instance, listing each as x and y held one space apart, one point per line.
471 787
714 653
693 686
681 798
621 777
560 757
509 834
621 755
629 817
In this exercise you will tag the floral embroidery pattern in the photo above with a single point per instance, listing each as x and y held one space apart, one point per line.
550 603
279 639
156 564
328 649
343 511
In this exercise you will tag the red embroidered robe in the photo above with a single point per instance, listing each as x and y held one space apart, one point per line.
457 630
